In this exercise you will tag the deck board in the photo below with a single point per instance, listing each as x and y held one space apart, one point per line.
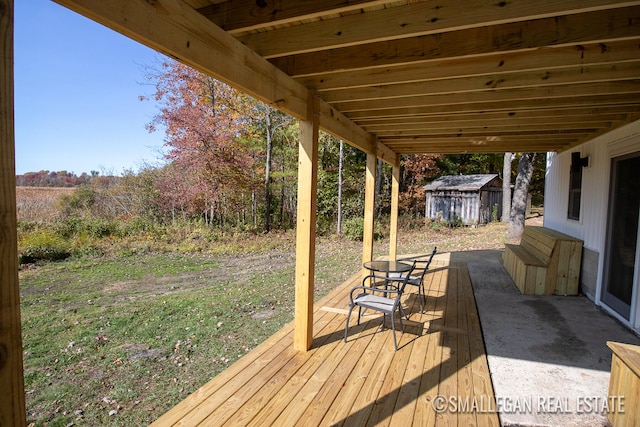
364 381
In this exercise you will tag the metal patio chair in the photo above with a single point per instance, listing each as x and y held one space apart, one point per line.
384 299
418 280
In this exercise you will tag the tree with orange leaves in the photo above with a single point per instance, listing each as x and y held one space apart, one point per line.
205 121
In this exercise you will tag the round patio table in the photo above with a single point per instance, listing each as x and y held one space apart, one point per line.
387 266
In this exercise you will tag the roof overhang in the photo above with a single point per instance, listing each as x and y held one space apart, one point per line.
403 77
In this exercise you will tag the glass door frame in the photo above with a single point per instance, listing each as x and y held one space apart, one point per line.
610 300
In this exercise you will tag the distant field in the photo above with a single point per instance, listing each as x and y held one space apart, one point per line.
38 203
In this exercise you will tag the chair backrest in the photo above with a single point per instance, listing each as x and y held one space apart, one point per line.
401 280
426 262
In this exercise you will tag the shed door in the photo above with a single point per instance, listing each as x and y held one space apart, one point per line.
622 257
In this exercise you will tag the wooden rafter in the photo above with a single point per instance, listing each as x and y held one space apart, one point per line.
535 79
411 20
244 15
379 65
592 27
543 59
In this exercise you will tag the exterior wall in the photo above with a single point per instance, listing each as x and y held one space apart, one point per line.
592 226
490 198
449 205
472 208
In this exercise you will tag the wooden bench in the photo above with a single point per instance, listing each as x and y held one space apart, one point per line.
624 385
546 262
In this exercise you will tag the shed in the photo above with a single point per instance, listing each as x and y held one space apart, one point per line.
469 199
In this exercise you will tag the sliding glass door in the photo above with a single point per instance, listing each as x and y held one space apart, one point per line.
624 203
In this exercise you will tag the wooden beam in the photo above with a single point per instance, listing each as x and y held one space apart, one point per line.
245 15
445 128
624 87
508 106
480 140
176 30
539 116
567 122
306 226
632 117
393 223
491 82
546 58
521 131
369 207
337 124
12 398
533 116
592 27
497 146
410 20
473 149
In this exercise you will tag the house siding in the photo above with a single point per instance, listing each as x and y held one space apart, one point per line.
592 225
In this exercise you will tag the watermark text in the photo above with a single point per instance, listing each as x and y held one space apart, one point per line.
529 404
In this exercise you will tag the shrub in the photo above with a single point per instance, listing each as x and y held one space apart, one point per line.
137 225
354 228
42 245
81 200
73 226
456 222
98 227
324 225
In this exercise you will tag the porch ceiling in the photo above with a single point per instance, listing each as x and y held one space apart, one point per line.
417 76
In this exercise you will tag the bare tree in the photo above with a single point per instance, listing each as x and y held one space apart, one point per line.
267 170
340 171
506 187
520 193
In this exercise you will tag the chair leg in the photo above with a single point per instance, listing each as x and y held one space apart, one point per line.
346 328
393 330
402 313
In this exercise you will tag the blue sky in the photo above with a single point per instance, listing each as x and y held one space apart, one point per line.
77 85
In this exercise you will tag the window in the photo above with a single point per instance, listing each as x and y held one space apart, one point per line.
575 185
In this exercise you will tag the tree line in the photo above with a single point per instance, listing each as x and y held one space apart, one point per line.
231 161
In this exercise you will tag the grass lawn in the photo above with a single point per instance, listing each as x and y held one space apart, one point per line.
119 340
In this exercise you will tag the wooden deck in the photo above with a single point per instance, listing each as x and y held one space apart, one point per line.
364 381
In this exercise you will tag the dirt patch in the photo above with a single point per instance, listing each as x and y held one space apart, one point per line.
229 269
265 314
141 351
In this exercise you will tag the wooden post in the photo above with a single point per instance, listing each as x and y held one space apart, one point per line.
12 402
369 205
393 225
306 225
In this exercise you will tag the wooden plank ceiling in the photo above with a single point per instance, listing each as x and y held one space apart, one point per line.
401 77
452 76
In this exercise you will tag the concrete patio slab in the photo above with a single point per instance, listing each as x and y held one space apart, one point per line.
547 355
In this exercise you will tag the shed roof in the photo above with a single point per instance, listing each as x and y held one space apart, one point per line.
460 182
